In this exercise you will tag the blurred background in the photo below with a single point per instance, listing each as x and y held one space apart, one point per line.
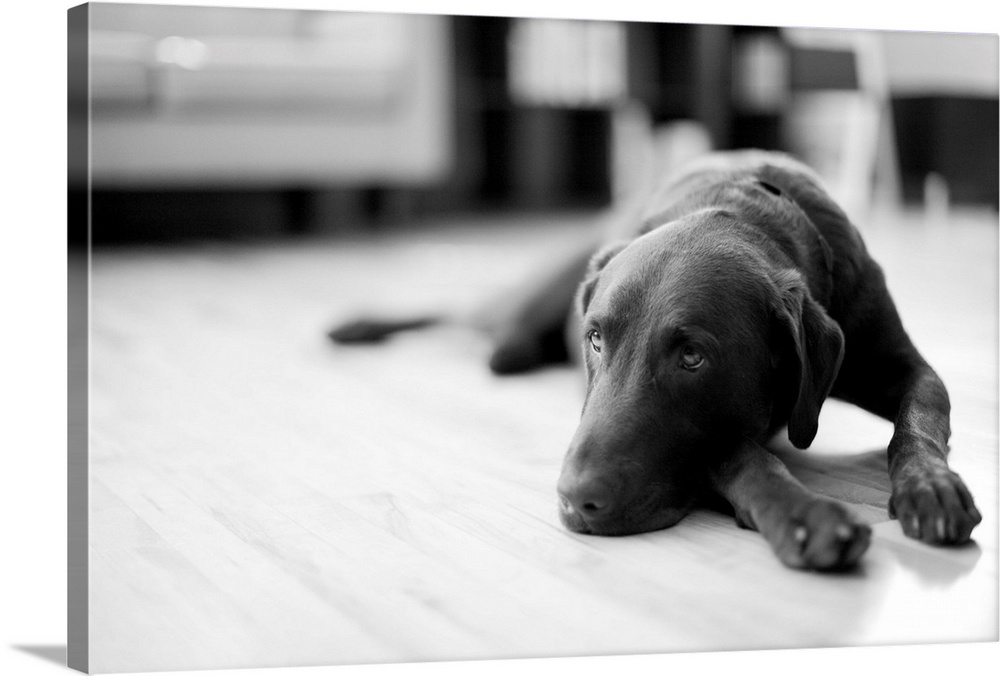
255 123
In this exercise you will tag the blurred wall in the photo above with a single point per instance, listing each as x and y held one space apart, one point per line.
232 122
941 63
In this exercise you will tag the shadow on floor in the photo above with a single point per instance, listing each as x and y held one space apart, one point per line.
860 479
50 653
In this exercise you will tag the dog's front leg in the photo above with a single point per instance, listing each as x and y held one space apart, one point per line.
931 501
804 529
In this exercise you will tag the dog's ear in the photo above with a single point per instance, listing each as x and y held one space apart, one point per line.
808 347
597 263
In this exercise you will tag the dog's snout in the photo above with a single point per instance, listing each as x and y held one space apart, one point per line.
588 496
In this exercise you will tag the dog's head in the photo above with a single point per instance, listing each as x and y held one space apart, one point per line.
693 342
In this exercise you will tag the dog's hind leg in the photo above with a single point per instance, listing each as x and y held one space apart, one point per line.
533 332
528 330
527 325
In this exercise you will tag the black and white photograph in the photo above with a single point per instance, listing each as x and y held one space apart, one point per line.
439 337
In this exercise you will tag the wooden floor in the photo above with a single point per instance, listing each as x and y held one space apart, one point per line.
262 498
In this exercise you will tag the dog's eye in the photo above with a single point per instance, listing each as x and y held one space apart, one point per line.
595 340
691 359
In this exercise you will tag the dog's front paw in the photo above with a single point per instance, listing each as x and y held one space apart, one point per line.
934 506
820 534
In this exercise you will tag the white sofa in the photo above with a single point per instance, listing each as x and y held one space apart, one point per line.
209 96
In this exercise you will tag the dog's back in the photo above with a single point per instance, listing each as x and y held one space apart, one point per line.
786 200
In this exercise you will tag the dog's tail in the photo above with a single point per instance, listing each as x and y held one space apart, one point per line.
368 330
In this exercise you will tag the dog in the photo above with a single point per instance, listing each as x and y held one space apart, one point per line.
738 300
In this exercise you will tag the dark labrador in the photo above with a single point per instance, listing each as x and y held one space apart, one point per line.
742 299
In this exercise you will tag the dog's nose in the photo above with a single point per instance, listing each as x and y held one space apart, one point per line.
589 497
